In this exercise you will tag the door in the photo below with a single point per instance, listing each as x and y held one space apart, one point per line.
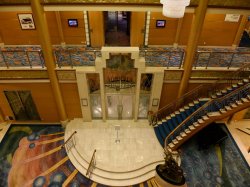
22 105
120 106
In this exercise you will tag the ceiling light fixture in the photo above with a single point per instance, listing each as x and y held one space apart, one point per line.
174 8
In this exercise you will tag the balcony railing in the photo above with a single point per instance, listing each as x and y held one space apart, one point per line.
73 56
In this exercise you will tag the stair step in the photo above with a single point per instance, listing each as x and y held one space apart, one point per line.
229 89
245 80
219 94
182 110
191 127
235 86
240 83
239 102
175 141
196 102
213 114
171 145
187 131
213 96
179 138
223 110
228 108
177 112
200 120
224 91
205 117
196 124
245 100
168 118
233 105
186 107
172 115
183 134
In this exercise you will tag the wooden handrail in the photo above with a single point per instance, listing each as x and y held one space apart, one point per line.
91 163
201 108
63 145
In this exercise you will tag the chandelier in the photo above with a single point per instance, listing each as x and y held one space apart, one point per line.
174 8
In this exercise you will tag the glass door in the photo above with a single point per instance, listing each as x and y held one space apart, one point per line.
120 106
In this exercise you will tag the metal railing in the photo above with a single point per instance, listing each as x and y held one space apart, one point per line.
75 57
22 58
198 92
164 58
92 164
225 59
211 106
67 142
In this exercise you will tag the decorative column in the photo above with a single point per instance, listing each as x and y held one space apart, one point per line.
193 40
240 31
43 32
178 33
156 91
86 26
147 28
1 40
59 27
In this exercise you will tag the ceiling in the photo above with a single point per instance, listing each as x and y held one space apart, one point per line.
238 4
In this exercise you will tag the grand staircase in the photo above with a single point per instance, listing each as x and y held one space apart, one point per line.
180 120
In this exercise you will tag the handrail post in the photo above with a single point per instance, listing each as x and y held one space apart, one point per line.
91 163
63 145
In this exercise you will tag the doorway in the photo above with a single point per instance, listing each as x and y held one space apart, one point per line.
119 106
117 28
22 105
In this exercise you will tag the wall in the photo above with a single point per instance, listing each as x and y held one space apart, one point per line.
162 36
137 26
10 29
217 32
71 100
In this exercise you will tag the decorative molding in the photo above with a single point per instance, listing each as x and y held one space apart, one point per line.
66 75
24 74
172 75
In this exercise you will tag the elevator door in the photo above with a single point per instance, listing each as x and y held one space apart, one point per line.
120 106
22 105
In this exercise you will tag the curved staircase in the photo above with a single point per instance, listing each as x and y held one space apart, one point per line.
179 121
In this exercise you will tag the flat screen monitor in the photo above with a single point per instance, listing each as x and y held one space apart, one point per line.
72 22
160 23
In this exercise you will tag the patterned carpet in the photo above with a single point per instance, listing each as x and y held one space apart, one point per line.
32 156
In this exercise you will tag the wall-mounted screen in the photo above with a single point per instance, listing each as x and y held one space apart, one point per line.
160 23
72 22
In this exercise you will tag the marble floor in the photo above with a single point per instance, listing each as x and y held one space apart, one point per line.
123 149
241 138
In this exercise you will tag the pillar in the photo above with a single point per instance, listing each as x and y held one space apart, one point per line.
59 27
43 33
240 31
193 40
178 32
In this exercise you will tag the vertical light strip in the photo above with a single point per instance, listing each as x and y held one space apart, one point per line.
147 28
86 25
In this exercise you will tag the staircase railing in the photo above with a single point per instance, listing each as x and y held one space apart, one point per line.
200 91
91 164
69 140
208 107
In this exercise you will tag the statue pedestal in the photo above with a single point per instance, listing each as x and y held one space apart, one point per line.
163 183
